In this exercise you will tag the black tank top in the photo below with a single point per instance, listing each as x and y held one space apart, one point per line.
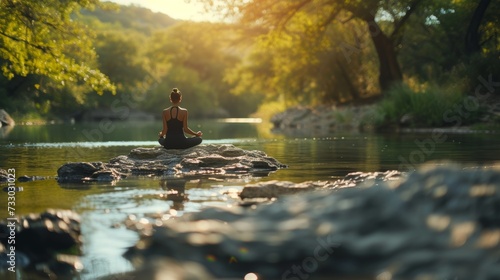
174 125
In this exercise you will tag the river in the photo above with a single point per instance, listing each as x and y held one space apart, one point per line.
39 150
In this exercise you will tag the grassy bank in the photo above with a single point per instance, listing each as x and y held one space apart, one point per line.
432 106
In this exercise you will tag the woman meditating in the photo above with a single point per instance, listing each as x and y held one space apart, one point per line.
175 124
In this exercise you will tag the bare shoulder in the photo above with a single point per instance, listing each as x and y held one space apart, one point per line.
165 113
183 111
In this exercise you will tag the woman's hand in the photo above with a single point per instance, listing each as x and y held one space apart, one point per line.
159 134
199 133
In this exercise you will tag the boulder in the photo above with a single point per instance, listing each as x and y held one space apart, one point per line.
5 119
225 160
43 241
86 171
437 223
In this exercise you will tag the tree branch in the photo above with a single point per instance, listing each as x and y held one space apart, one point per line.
45 49
290 13
401 23
351 17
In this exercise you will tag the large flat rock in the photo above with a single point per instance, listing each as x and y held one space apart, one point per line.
225 160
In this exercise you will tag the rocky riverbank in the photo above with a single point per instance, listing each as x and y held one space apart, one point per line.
324 120
222 160
438 223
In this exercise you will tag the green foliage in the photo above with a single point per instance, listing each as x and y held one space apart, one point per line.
429 107
278 54
310 70
320 51
475 67
39 37
268 109
193 57
130 17
313 18
434 50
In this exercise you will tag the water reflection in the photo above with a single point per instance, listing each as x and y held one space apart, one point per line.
75 186
5 130
175 191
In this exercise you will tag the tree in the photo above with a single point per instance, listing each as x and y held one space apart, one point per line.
434 49
394 15
121 58
39 37
308 69
473 35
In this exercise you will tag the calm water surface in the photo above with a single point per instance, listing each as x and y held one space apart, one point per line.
41 150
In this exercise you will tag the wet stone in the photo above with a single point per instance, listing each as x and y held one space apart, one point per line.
43 241
26 178
200 160
272 189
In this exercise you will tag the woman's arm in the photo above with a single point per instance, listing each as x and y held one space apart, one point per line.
165 128
187 129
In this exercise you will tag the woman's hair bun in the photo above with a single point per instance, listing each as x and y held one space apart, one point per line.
175 95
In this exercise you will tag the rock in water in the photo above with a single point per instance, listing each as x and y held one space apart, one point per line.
4 175
272 189
225 160
437 223
5 119
26 178
44 241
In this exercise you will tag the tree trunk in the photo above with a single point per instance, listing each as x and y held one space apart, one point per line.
473 36
389 69
354 93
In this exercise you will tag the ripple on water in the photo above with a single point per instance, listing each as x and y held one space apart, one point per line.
114 143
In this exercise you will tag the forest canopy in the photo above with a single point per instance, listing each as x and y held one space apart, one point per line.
60 59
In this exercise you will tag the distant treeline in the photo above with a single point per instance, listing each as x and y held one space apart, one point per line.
98 54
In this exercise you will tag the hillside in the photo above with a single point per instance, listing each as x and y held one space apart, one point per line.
130 17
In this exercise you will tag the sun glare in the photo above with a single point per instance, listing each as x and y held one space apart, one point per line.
177 9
